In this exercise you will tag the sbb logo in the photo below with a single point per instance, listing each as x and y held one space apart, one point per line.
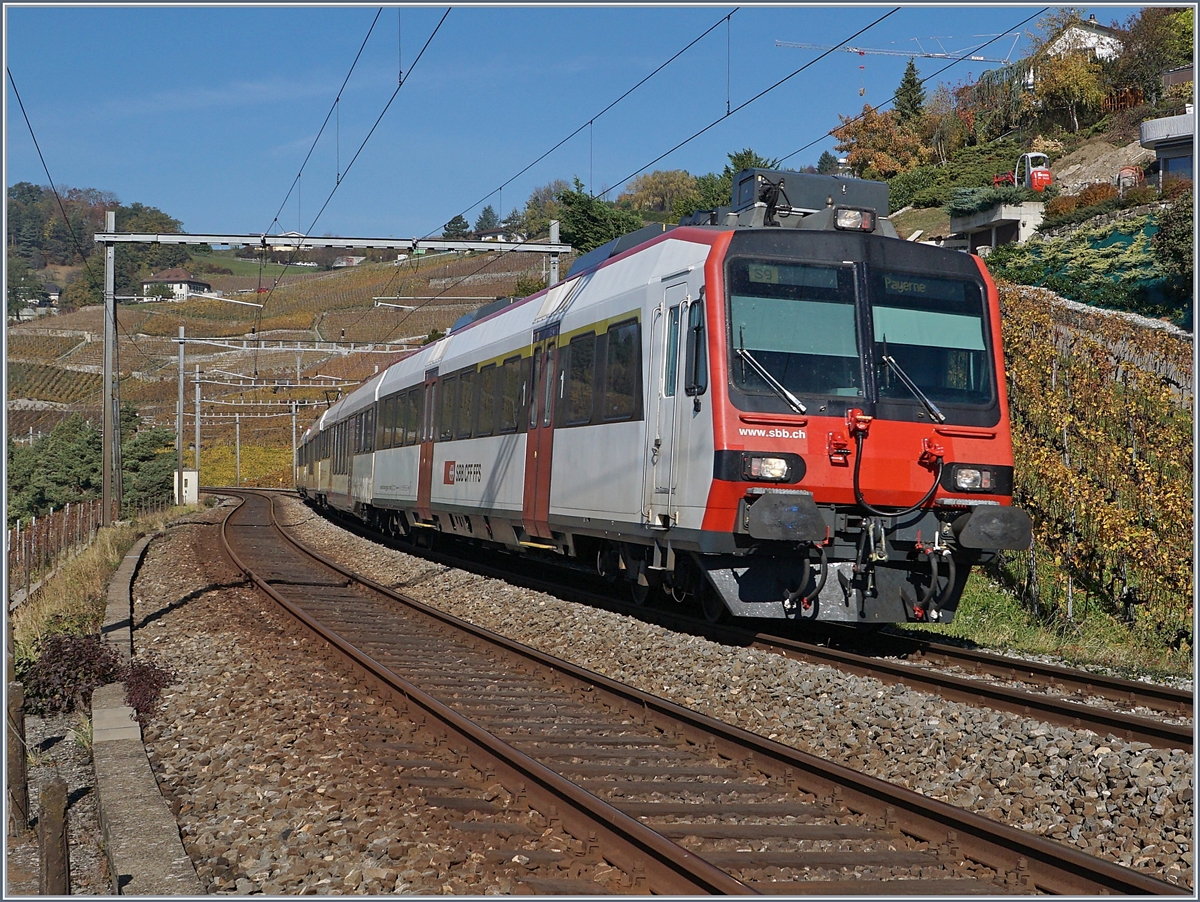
456 473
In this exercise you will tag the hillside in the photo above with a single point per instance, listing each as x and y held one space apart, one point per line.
55 363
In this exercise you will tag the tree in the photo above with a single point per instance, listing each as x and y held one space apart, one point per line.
147 462
527 285
827 163
717 190
514 225
588 222
457 227
1154 39
25 289
877 147
487 220
1070 81
910 96
660 191
541 207
86 289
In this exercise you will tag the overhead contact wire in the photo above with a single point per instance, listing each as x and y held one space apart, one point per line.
349 165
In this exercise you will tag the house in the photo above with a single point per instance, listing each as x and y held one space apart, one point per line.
1173 139
180 281
1099 41
497 234
53 292
1002 224
340 262
297 242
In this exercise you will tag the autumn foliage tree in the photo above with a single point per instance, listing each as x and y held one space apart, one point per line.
878 147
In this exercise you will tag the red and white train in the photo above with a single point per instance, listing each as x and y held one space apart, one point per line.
778 409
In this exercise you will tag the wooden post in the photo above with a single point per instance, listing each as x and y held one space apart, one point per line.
18 786
52 832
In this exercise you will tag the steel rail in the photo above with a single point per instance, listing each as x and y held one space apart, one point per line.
1031 860
1132 692
1055 710
632 846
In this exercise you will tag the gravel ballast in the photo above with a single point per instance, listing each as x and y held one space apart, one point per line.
249 705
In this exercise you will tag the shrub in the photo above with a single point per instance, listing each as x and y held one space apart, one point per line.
1139 195
1062 205
1175 188
145 680
1097 193
936 196
64 670
965 201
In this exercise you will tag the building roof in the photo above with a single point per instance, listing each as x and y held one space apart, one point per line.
173 275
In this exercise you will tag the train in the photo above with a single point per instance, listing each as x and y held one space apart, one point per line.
777 409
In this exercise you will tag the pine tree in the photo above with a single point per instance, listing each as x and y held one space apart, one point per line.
487 220
457 228
910 96
827 163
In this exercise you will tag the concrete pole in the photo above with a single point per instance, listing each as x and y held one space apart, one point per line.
179 428
106 401
553 257
293 439
237 448
197 427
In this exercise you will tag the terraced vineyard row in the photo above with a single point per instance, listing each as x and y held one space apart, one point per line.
39 347
50 383
1103 456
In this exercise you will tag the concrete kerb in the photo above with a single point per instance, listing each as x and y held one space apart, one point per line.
141 837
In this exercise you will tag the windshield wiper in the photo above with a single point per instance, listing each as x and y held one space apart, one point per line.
791 399
912 387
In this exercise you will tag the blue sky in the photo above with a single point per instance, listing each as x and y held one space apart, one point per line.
208 112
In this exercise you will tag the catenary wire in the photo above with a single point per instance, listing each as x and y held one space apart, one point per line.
312 225
682 143
587 124
333 107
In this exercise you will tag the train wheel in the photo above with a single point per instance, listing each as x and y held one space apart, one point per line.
639 593
608 562
712 604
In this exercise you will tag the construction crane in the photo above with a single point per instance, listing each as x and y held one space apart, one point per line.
921 52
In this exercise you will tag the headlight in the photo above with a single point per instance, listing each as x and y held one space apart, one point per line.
857 220
773 469
973 479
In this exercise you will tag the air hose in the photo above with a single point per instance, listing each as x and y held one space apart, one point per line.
859 436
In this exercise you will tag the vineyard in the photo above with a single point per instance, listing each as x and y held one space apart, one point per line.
50 383
39 347
1102 445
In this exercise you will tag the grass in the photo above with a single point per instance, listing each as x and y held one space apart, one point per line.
932 221
990 617
74 598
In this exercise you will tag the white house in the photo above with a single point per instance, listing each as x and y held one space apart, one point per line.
180 281
1099 41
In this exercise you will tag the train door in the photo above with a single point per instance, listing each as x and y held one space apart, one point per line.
545 385
425 435
661 478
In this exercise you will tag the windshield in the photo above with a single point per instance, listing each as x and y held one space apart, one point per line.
797 321
934 329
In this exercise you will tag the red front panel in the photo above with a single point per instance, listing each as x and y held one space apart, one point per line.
891 473
425 470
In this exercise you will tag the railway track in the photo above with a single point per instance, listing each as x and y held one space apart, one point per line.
680 803
1050 693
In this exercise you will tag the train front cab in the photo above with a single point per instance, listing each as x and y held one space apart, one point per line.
863 461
